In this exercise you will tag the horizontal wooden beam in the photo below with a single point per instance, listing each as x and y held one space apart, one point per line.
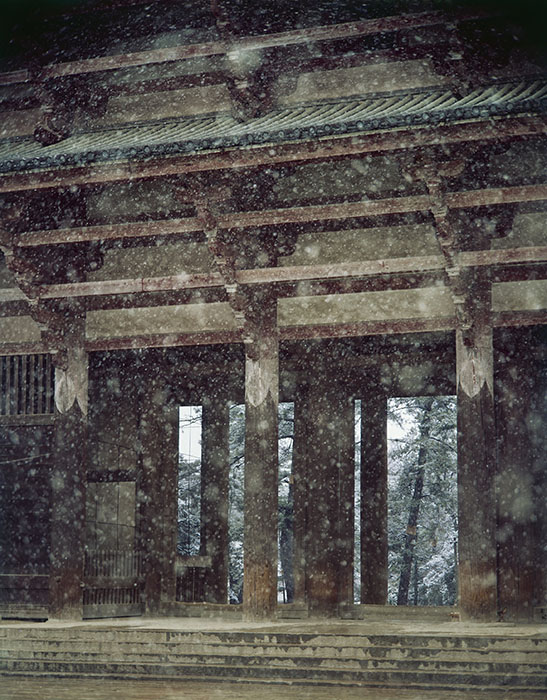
507 319
23 348
131 286
287 274
291 64
295 37
497 129
204 295
159 340
348 330
298 273
110 232
285 216
342 330
396 326
510 265
285 333
27 419
492 197
502 256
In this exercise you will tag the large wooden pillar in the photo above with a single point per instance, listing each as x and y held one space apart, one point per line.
261 461
374 547
476 459
215 468
330 511
68 482
520 399
157 489
303 416
345 432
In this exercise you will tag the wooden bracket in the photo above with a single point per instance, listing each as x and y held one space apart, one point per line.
220 246
34 272
59 100
467 61
26 273
8 218
247 304
249 73
490 222
52 328
249 77
259 318
434 175
222 18
450 61
62 329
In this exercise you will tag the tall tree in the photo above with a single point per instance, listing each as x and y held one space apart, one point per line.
236 498
411 533
286 504
188 506
422 519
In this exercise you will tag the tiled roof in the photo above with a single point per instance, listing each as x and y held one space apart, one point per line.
188 135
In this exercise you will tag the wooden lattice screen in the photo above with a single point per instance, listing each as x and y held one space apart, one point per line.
26 385
112 583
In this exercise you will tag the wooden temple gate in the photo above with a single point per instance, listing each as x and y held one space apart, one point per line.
316 214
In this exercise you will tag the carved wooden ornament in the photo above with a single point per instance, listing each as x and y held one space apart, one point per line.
261 380
71 384
475 368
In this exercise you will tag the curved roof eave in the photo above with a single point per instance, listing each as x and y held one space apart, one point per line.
184 136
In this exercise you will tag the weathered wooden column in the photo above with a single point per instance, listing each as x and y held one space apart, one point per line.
68 477
330 478
157 492
476 457
215 469
471 295
261 462
303 416
344 425
520 391
374 496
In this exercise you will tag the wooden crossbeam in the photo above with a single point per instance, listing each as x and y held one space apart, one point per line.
499 320
214 76
342 330
291 274
295 37
286 216
493 130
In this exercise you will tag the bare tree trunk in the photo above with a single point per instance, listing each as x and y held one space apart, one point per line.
286 546
414 511
415 581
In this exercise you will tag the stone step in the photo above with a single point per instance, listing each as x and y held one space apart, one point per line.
389 677
118 649
474 643
515 690
23 611
423 659
334 662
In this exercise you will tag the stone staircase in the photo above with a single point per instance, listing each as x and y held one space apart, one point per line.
415 661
